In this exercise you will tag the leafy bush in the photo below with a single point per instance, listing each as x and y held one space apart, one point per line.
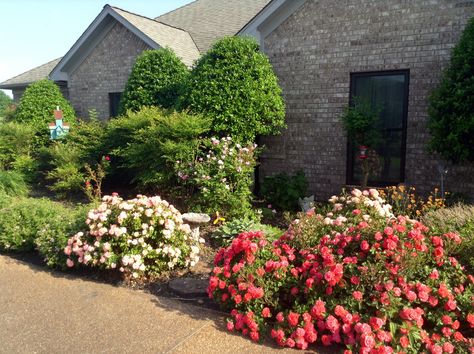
5 102
16 141
224 235
65 173
222 176
64 162
140 237
119 133
37 106
22 219
234 84
283 191
13 184
156 80
51 239
358 277
170 137
459 219
451 121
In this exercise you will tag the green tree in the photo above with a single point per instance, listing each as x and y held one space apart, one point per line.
235 85
451 105
38 104
5 101
156 80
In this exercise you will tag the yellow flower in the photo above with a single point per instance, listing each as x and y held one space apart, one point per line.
218 219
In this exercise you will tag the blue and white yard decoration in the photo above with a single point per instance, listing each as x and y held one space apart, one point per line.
58 129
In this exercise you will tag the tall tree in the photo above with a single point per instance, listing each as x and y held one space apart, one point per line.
451 106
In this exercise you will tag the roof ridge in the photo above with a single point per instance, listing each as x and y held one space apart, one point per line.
149 18
178 8
36 67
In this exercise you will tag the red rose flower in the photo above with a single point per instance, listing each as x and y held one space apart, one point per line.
293 319
266 313
404 341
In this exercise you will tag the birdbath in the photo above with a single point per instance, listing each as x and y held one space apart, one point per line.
195 220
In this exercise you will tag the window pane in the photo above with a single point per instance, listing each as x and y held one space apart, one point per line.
387 94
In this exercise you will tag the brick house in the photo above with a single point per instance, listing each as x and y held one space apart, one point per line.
324 52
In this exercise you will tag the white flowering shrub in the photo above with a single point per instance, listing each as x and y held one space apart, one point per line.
140 237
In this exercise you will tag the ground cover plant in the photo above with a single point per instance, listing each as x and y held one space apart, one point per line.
282 191
358 276
460 219
139 237
23 220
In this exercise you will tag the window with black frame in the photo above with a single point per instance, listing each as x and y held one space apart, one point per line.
114 103
387 93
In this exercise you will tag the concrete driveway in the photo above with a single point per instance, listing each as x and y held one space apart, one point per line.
52 312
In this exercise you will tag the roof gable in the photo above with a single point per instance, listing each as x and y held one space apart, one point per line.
272 16
209 20
153 33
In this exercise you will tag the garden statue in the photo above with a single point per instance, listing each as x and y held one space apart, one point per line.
58 129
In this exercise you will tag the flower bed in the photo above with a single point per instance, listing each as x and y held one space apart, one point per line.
358 276
140 237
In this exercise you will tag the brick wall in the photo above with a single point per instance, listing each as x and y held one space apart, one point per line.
104 71
315 50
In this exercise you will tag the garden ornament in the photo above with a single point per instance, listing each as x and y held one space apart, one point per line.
58 129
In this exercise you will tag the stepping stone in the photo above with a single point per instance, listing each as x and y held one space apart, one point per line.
189 287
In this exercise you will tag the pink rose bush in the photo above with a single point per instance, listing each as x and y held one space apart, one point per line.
357 276
140 237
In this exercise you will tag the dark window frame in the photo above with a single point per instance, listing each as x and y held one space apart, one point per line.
350 148
112 96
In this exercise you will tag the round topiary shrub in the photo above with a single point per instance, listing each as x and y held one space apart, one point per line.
38 104
235 85
358 277
140 237
156 80
451 105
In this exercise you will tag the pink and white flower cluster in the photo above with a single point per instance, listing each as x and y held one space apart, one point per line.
222 176
142 236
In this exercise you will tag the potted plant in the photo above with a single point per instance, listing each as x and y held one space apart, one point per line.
360 123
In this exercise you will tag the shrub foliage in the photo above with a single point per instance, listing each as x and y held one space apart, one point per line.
451 105
156 80
38 104
234 83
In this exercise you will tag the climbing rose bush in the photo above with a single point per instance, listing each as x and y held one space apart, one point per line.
358 277
222 176
140 237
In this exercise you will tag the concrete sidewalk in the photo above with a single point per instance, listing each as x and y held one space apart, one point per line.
50 312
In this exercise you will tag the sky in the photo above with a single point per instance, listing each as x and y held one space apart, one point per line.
34 32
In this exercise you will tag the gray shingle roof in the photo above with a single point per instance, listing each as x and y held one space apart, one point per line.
165 35
209 20
188 31
38 73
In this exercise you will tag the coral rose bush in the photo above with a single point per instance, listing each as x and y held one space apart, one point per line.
358 277
140 237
